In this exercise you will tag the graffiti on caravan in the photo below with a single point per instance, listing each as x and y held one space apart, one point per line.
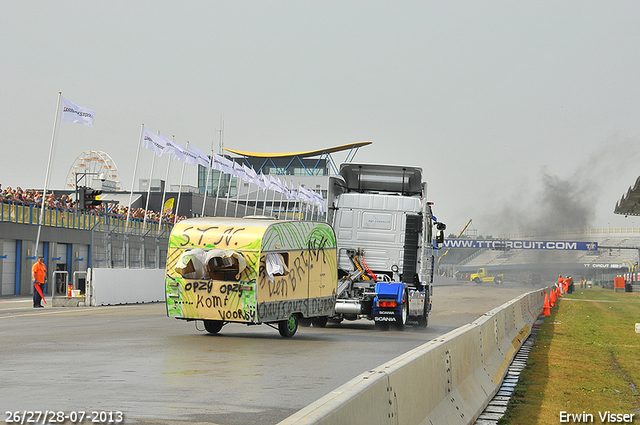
520 244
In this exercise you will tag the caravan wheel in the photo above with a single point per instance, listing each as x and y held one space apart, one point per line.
213 326
288 328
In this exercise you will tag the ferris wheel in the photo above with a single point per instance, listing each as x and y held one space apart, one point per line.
90 167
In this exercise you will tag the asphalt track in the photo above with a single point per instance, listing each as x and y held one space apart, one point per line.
161 370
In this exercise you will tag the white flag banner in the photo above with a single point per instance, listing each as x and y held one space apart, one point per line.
175 149
265 181
74 113
289 190
276 184
221 163
294 192
189 157
319 200
201 158
239 172
306 194
153 142
251 173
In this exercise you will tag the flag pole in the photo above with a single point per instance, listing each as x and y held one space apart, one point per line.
280 204
255 207
228 192
215 206
146 206
175 217
133 180
164 189
299 204
273 201
46 177
246 203
206 183
235 213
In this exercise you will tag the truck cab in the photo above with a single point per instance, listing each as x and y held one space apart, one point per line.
483 276
384 236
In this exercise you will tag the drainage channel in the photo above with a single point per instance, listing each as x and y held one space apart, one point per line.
497 407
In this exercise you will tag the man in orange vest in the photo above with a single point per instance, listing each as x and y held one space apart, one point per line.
38 277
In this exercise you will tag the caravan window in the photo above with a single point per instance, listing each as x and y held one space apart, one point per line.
225 265
277 264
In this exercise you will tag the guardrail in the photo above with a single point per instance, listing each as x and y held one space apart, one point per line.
80 220
448 380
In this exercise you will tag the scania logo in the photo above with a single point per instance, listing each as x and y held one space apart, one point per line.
384 319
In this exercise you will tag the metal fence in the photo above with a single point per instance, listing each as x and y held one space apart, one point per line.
80 220
115 242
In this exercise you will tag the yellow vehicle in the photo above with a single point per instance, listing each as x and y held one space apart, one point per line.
483 276
251 271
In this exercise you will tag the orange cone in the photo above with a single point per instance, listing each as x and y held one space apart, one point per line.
560 293
546 310
552 298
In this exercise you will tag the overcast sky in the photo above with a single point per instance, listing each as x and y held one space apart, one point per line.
522 114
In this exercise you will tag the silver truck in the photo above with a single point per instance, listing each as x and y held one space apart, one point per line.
384 230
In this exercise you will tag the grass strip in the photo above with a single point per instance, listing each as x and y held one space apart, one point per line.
585 361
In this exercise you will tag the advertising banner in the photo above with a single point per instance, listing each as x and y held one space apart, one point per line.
520 244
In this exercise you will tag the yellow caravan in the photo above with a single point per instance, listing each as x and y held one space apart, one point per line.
252 271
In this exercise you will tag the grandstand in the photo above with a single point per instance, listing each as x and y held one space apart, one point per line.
618 253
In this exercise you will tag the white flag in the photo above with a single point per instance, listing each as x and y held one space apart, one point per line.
252 175
222 164
239 172
174 148
265 182
305 194
190 157
201 158
288 190
74 113
153 142
276 184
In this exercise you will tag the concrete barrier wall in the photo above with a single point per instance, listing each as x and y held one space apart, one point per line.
126 286
448 380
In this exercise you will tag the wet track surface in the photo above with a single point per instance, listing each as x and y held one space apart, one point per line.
160 370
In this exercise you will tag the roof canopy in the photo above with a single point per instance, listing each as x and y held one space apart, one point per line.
304 154
629 204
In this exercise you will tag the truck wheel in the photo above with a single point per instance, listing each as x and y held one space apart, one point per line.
477 280
498 280
401 319
336 319
213 326
288 328
423 320
319 322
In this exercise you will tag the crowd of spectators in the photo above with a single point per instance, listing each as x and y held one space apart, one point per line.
120 211
18 196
